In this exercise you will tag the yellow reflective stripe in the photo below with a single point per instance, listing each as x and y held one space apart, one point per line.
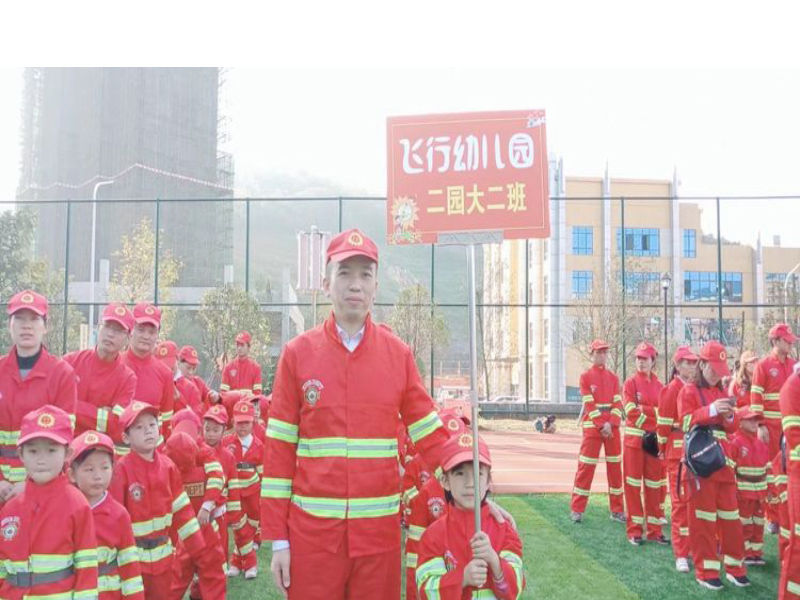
614 459
588 460
732 562
664 421
791 421
753 471
772 396
772 414
214 483
212 466
515 562
616 412
156 554
347 447
189 528
580 492
281 430
145 528
728 515
224 387
615 491
712 565
633 431
415 532
793 587
653 483
756 389
706 516
411 560
132 586
595 414
180 502
424 427
632 481
677 443
350 508
587 398
429 575
127 556
276 487
102 419
640 421
629 407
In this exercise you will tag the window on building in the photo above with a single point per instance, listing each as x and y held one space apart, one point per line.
701 286
641 285
639 242
582 283
582 242
689 243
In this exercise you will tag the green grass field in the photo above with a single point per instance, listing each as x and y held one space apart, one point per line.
591 561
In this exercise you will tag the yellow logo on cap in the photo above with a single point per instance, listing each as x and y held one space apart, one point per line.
46 420
91 438
27 298
465 440
162 351
138 405
119 311
355 239
194 353
452 425
149 310
723 355
243 408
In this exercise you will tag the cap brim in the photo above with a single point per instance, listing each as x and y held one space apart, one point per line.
119 320
43 434
240 418
33 309
148 321
462 457
345 254
191 361
216 418
153 410
721 368
77 452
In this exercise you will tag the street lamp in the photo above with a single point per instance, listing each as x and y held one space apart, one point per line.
97 186
665 281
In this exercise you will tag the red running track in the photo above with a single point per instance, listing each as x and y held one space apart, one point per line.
526 463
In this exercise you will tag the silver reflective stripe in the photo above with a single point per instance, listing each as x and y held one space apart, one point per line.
25 579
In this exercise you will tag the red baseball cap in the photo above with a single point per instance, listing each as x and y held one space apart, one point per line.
748 413
28 300
91 440
598 345
218 414
144 312
715 354
181 448
244 337
132 412
244 411
458 449
684 353
453 424
646 350
167 352
189 355
48 422
186 420
351 243
119 313
781 331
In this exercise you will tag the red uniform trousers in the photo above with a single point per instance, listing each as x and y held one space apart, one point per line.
679 519
751 513
643 468
209 566
320 575
775 434
587 462
157 585
244 553
790 566
713 514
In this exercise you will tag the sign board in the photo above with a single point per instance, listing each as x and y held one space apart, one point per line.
467 172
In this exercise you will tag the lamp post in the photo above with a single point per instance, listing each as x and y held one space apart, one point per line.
665 281
92 333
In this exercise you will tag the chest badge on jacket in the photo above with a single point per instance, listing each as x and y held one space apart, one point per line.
773 372
436 507
312 391
136 491
9 528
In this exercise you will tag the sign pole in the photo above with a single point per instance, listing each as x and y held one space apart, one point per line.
473 382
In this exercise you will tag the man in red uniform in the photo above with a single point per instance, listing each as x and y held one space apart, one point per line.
105 383
790 409
154 384
670 442
770 374
640 393
602 415
188 361
330 494
30 377
242 374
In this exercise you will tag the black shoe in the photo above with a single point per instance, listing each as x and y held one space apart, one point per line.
576 517
636 540
619 517
711 584
660 540
740 581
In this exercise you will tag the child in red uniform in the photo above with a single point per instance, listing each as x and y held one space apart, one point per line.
90 469
48 547
149 485
752 459
249 453
454 561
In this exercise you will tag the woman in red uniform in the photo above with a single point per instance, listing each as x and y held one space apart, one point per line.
743 378
713 509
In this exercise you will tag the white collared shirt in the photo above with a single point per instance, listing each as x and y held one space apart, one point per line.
350 342
246 442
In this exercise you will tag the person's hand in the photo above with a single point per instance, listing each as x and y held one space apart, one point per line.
482 548
475 573
605 430
213 396
5 490
500 514
281 561
723 407
203 516
763 434
16 490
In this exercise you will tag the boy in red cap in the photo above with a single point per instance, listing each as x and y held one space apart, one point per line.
188 394
202 480
714 526
248 452
154 381
602 415
454 560
90 469
752 461
48 547
30 377
242 374
770 374
670 443
188 361
641 468
149 486
105 384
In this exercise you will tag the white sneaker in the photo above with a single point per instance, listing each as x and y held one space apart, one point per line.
251 573
233 571
682 565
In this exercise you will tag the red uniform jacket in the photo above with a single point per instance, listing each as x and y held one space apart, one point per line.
768 378
601 400
189 396
752 458
641 394
119 573
778 496
445 552
416 474
205 391
741 393
241 375
426 507
51 381
153 494
670 428
104 389
48 529
331 460
790 409
230 502
154 385
694 409
249 465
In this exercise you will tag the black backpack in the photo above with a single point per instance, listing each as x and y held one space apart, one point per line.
703 454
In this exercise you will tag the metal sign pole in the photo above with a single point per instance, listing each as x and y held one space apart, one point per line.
473 382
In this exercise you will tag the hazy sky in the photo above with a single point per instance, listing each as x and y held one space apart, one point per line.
728 131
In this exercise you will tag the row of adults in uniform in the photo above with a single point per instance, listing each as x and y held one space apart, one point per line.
717 519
